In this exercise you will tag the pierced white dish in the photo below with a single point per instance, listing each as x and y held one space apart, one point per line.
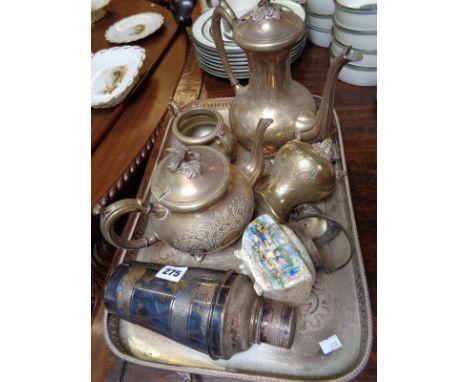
97 9
135 27
318 36
114 72
319 21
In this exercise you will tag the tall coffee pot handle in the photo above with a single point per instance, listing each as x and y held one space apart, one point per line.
110 214
223 10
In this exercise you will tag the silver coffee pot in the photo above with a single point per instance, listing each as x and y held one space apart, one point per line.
267 34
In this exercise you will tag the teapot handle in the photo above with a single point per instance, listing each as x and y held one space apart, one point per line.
112 213
224 10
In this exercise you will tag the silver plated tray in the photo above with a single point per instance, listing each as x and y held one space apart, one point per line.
338 305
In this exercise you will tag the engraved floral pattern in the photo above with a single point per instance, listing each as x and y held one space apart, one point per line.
316 311
210 234
295 164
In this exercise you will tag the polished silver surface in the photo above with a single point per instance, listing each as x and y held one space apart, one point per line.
268 35
338 304
301 174
202 126
201 204
208 56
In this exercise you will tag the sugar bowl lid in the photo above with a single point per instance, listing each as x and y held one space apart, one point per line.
189 179
268 27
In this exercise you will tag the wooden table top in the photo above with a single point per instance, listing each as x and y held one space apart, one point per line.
357 110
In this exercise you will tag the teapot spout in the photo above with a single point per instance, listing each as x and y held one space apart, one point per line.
322 127
254 167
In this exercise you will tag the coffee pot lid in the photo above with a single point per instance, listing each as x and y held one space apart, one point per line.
189 179
268 27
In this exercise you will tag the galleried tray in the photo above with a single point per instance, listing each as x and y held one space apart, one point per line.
338 304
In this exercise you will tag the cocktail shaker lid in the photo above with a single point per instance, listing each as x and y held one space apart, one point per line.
268 27
277 324
189 179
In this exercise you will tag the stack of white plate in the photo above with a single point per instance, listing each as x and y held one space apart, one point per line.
355 24
208 56
320 21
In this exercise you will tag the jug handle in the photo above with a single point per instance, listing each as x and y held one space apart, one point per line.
223 10
110 214
298 215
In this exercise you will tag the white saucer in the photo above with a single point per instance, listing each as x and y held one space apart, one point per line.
134 27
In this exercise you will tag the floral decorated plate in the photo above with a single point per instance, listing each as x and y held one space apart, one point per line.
114 72
134 27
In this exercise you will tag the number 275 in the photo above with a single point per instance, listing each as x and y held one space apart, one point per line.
171 272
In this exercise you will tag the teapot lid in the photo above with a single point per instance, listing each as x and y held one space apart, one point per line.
189 179
268 27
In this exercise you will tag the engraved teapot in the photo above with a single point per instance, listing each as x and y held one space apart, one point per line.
268 34
202 203
302 173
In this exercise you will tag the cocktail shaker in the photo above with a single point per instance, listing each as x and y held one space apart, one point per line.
215 312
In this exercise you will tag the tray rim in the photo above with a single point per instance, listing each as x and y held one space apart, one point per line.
360 280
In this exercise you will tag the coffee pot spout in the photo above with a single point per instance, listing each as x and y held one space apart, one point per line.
254 166
322 127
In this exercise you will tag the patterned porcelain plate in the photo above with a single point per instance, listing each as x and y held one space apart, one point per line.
114 72
134 27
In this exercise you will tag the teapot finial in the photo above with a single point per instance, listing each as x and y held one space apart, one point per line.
254 167
184 161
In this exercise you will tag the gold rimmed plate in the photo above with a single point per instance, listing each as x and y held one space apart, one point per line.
114 72
134 27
